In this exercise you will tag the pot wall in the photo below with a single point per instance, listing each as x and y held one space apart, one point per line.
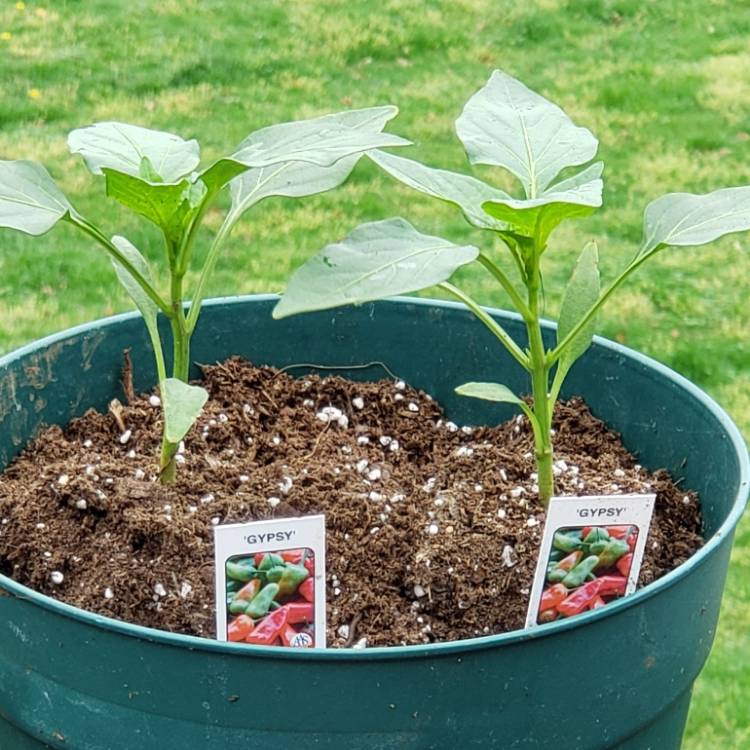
73 680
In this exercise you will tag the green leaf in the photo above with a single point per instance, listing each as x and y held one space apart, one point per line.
157 202
143 302
139 152
505 124
376 260
489 392
30 201
581 294
295 179
182 405
321 140
683 219
461 190
579 195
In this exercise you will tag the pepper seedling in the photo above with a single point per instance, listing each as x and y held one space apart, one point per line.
507 125
157 175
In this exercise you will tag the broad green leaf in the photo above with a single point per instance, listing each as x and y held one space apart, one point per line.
156 201
136 151
461 190
30 201
376 260
581 294
579 195
143 302
683 219
295 179
489 392
322 141
506 124
182 404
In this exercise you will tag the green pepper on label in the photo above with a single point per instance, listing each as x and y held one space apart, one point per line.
238 606
241 571
597 534
614 550
289 577
566 542
581 572
260 605
270 560
557 571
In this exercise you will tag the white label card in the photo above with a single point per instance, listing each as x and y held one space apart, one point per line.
271 582
591 554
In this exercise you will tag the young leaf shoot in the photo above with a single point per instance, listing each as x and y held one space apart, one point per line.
507 125
158 176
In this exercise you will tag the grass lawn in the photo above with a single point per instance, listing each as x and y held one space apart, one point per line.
664 84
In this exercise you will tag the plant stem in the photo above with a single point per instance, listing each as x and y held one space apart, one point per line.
554 355
540 386
495 327
101 238
207 270
506 284
180 370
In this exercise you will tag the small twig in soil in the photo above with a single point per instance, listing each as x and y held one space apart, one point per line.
127 377
339 367
353 630
317 442
273 403
115 409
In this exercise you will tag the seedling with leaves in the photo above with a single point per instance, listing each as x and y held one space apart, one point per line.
157 175
507 125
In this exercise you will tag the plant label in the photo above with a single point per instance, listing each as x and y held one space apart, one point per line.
271 582
591 554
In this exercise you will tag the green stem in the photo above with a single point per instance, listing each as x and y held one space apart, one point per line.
557 382
180 370
185 249
207 270
555 354
506 284
494 327
101 238
540 387
161 370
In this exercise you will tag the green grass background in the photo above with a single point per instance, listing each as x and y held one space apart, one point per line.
664 84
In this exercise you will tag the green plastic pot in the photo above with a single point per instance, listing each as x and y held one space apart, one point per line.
70 679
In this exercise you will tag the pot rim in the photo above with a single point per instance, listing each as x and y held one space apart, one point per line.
445 648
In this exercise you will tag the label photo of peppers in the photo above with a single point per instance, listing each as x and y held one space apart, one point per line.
270 598
586 567
268 592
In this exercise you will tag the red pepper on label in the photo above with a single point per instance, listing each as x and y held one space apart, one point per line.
269 628
612 585
240 628
580 599
299 612
307 589
619 532
548 615
287 635
292 556
624 563
553 596
249 590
